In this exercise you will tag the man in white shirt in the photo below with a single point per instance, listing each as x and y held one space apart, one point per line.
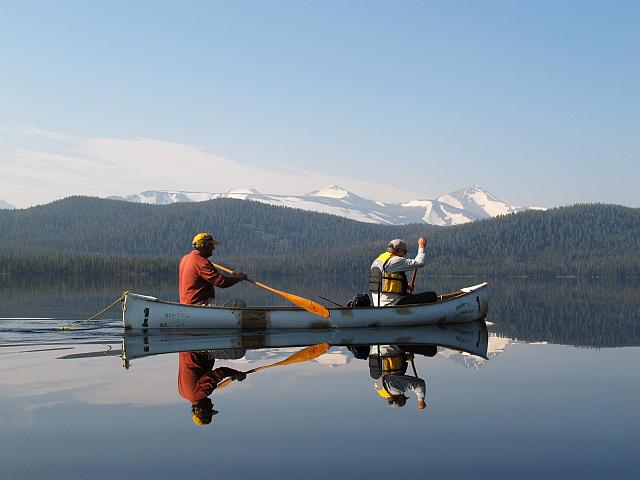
388 283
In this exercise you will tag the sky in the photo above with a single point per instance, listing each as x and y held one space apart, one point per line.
538 102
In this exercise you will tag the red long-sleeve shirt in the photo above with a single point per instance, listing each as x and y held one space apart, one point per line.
196 379
197 277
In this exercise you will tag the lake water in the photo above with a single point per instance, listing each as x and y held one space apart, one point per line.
554 394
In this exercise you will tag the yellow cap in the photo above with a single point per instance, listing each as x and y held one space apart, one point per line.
203 239
203 412
200 420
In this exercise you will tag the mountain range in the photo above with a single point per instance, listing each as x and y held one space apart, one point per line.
455 208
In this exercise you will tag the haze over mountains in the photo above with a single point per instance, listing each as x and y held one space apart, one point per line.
455 208
5 205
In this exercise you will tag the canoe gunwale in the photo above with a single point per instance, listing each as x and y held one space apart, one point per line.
446 297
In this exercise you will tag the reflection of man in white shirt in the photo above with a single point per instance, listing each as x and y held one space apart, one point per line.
395 385
388 283
399 385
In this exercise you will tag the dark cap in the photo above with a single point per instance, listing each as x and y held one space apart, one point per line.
396 245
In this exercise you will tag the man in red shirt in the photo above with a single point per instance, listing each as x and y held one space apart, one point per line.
197 380
197 276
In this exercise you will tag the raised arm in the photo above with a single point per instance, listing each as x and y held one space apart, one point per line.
401 264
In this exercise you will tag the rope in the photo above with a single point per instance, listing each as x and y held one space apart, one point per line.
74 325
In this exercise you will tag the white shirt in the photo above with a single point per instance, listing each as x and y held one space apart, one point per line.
394 265
401 384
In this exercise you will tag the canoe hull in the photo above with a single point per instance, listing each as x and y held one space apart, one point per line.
144 312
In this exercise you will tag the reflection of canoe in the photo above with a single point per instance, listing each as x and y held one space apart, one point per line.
465 305
466 337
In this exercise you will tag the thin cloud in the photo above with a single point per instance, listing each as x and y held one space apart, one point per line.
156 164
38 132
118 166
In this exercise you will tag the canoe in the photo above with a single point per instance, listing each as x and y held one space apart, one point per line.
470 338
145 312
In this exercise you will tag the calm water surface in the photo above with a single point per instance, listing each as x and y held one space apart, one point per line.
554 394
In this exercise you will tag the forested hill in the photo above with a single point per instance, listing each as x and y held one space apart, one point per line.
80 234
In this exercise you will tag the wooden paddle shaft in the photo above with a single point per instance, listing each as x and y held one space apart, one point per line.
228 270
301 302
413 280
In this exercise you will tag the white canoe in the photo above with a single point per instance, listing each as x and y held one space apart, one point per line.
145 312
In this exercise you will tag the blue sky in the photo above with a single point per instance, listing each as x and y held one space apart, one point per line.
536 101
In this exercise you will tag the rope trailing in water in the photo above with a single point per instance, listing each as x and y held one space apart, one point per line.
74 325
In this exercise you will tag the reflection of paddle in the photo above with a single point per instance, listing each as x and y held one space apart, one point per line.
305 303
304 355
415 373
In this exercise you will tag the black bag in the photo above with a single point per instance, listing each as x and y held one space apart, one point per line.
360 300
375 366
361 352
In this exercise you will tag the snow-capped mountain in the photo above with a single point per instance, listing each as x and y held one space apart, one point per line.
497 345
477 200
455 208
5 205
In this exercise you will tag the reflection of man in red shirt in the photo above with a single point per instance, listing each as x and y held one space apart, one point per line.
197 380
197 276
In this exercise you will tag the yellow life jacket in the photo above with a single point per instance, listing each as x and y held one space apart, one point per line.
390 366
393 365
382 282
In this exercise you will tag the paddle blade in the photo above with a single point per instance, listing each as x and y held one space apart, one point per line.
304 355
305 303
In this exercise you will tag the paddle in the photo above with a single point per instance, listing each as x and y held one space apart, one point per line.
413 366
304 355
421 244
305 303
413 281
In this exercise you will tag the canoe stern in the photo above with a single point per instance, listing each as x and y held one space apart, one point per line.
136 311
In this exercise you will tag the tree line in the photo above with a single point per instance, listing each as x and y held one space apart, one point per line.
84 235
